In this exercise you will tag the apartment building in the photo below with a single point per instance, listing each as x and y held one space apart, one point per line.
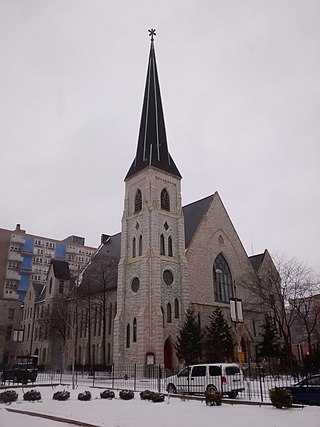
25 260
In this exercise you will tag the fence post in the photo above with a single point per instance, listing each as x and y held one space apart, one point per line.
260 382
159 379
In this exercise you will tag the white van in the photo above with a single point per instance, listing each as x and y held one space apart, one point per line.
196 379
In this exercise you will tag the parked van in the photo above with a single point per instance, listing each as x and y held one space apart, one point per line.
227 378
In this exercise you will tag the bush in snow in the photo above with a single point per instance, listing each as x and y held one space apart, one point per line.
107 394
61 395
213 397
280 398
151 395
126 394
32 395
146 395
8 396
86 395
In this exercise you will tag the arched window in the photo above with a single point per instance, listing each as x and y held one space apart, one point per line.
138 202
169 313
165 200
134 330
110 318
162 317
176 308
93 355
140 245
162 248
128 336
170 252
133 247
108 353
223 289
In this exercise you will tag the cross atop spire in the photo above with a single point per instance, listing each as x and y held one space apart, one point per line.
152 148
152 33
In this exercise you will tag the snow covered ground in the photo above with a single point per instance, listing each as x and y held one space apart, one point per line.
138 413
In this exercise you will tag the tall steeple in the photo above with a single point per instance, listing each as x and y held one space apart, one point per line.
152 149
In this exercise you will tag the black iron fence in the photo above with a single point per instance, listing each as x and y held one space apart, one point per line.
253 385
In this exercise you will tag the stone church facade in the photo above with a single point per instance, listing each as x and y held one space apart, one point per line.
166 259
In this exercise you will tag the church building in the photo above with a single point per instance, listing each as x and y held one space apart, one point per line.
168 257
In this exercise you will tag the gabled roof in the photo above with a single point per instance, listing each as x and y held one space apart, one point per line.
37 291
102 272
152 148
257 260
60 269
193 214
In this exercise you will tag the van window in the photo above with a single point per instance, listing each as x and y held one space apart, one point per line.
214 371
184 372
199 371
232 370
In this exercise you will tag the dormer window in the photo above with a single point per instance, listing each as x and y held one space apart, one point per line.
138 201
165 200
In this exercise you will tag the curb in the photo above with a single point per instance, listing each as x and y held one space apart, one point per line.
51 417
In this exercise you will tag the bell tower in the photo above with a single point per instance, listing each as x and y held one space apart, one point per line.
152 273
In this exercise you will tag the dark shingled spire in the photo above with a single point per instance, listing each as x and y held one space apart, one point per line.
152 149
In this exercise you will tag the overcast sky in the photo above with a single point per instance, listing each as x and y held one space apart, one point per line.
240 83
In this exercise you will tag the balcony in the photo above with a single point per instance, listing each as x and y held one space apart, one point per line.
13 275
15 256
17 239
72 250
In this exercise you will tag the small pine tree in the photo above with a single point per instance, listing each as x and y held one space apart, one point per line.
269 347
189 341
219 343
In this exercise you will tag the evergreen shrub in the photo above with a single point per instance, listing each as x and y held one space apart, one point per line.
32 395
107 394
8 396
126 394
213 397
85 396
61 395
280 397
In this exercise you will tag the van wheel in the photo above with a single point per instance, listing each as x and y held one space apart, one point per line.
171 389
233 394
211 388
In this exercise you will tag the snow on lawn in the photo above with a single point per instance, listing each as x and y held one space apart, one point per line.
138 413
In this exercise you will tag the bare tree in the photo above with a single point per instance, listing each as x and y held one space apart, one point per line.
287 290
97 281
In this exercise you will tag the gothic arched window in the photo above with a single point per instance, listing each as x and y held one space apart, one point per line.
170 251
176 308
223 288
165 200
140 245
162 248
133 247
138 201
128 336
169 313
134 330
